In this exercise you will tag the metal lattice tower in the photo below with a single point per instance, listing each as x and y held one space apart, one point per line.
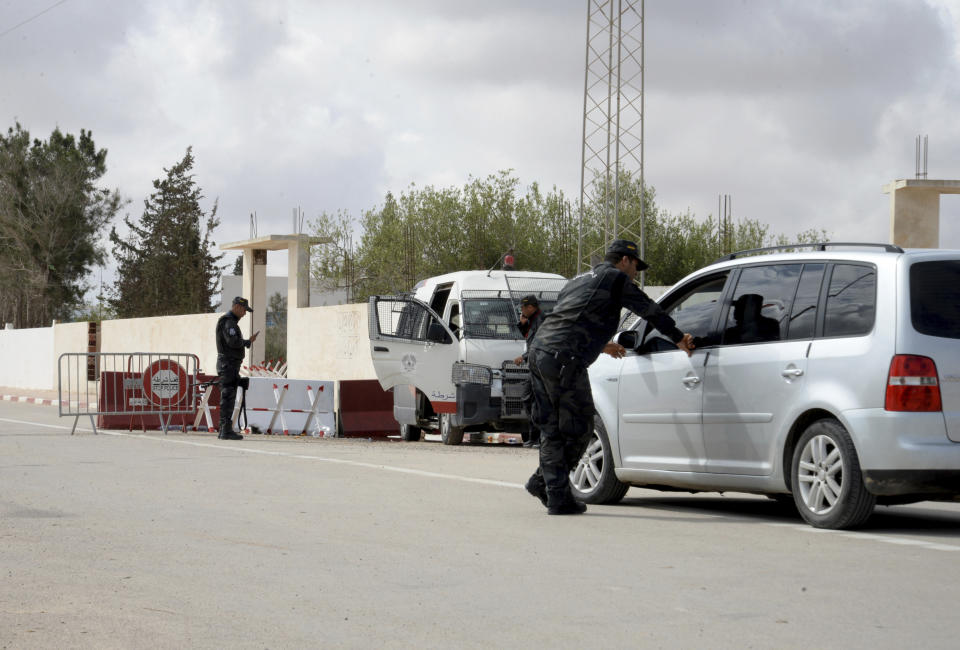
612 119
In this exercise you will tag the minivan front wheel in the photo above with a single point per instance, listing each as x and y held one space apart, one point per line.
827 483
410 433
449 434
593 480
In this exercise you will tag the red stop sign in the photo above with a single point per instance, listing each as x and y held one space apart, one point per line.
165 383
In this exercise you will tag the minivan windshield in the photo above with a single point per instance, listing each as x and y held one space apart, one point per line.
490 318
935 298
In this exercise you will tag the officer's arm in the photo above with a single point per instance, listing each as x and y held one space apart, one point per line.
640 304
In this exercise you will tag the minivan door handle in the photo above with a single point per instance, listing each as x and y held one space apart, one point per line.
791 372
380 348
691 381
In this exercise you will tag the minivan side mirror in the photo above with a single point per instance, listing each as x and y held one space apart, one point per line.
627 339
437 333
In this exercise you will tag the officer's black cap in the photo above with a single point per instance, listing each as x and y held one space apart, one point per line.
626 247
529 300
243 301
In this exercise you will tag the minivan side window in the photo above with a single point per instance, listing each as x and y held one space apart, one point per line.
851 300
803 316
761 304
694 309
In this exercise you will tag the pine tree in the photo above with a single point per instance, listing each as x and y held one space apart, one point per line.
52 214
166 265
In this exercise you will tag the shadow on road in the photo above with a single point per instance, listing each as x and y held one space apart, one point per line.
926 519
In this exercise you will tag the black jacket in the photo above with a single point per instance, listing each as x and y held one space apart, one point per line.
230 341
529 330
588 312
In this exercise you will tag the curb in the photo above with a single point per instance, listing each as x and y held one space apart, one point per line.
41 401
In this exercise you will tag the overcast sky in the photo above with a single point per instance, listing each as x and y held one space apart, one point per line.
801 110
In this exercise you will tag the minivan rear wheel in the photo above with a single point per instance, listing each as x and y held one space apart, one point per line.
827 483
593 480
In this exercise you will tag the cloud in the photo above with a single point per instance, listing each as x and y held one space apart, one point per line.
800 109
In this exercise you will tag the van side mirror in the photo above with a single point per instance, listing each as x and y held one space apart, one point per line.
437 334
627 339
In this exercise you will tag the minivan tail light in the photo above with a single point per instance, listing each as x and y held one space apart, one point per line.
912 384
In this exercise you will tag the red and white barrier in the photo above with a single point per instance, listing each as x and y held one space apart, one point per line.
290 407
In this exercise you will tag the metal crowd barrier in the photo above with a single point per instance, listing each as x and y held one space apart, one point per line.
114 386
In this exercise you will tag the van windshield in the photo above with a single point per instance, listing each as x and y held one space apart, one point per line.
935 298
490 318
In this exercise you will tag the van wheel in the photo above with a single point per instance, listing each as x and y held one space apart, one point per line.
593 480
409 433
825 474
449 434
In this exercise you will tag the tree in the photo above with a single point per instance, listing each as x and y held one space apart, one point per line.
333 264
166 265
52 215
428 231
678 244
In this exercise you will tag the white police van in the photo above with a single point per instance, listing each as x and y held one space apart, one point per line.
447 351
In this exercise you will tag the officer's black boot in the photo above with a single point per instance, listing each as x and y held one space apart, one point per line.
536 487
227 432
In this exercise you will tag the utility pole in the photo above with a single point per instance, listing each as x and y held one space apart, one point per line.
612 149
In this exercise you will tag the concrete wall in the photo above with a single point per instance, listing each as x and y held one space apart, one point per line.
329 343
190 334
322 343
28 358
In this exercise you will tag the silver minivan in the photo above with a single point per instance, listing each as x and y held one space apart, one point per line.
830 372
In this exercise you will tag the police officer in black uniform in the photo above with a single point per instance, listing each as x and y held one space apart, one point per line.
571 338
230 353
531 316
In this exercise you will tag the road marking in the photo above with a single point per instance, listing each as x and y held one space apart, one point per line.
900 541
263 452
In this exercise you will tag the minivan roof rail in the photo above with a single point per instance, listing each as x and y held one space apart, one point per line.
818 246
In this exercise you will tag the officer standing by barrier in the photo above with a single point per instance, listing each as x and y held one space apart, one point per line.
531 316
571 338
230 353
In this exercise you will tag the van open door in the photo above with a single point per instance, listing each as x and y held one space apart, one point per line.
410 344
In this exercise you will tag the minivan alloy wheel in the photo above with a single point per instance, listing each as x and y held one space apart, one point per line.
586 475
820 474
826 480
593 480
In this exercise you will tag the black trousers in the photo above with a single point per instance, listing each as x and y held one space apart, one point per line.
564 414
532 434
229 373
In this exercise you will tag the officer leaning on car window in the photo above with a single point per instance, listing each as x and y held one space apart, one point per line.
230 352
571 337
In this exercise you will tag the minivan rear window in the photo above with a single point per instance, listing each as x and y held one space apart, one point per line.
851 300
935 298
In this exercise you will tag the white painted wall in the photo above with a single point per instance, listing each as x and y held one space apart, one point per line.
28 360
329 343
190 334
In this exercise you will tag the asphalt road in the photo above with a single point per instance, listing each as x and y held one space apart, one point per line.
152 541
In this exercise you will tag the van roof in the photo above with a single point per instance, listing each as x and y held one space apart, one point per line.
484 279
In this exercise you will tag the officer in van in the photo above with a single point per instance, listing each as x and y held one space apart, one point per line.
231 348
571 337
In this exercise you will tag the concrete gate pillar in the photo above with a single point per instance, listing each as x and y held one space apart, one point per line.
915 211
255 280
